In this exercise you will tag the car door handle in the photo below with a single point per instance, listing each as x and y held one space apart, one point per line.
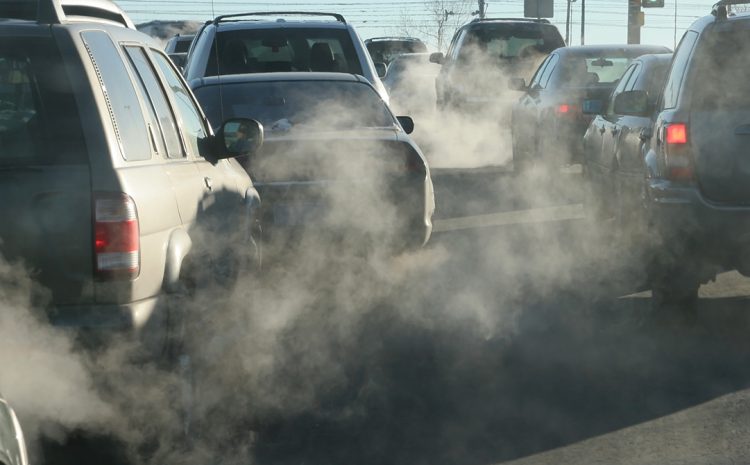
209 183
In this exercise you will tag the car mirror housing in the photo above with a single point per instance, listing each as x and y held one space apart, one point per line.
632 103
517 84
437 57
406 123
239 137
592 107
381 69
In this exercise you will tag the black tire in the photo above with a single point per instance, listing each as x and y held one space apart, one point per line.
674 289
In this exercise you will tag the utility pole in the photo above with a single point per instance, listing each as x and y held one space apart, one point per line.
635 18
482 8
567 23
583 22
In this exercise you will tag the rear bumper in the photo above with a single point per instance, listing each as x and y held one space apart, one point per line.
134 316
684 218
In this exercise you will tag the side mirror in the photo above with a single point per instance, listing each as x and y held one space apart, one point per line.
381 69
632 103
406 123
437 57
517 84
238 137
592 107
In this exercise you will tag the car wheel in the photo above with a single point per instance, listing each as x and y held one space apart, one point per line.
673 288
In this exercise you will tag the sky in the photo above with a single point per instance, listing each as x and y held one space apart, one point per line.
606 20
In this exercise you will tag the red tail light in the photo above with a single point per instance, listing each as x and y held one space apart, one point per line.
116 237
677 155
567 109
677 133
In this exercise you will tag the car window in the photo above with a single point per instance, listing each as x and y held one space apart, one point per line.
191 120
676 73
385 51
539 71
39 119
505 41
652 80
624 81
120 95
165 120
280 50
544 79
722 56
286 105
453 49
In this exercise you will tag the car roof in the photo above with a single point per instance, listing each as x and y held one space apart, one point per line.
280 77
596 50
244 24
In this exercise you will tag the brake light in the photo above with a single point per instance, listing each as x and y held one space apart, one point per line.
563 109
676 153
116 236
677 133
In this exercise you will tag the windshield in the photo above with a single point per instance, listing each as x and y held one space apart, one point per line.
283 105
266 50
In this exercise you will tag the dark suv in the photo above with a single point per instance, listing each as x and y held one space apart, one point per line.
485 54
697 189
386 49
109 170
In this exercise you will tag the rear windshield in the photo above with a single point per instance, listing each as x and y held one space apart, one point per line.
719 72
384 51
285 105
182 45
283 50
584 71
510 40
39 121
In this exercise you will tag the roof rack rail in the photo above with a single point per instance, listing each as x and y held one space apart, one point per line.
528 20
338 17
392 38
722 8
61 11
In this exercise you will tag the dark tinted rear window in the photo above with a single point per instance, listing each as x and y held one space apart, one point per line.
719 71
183 44
288 105
39 121
280 50
384 51
511 40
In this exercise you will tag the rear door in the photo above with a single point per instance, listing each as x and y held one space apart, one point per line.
719 126
45 183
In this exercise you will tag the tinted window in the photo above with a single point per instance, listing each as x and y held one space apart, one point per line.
720 70
192 123
278 50
539 72
548 72
652 80
163 113
124 106
386 50
504 41
621 87
39 121
288 105
676 73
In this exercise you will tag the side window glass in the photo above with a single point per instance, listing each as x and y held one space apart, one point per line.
191 121
538 74
633 78
456 46
544 80
120 95
624 81
677 72
165 118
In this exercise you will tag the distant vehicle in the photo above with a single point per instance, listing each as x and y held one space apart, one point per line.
613 149
12 442
179 44
697 170
177 49
386 49
485 54
410 83
110 171
334 156
281 42
548 123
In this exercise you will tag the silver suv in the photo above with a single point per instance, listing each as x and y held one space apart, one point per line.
111 178
232 45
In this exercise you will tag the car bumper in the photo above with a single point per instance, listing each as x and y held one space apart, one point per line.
133 316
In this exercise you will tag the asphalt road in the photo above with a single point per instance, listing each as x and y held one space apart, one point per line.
518 334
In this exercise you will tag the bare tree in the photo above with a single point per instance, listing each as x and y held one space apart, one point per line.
437 20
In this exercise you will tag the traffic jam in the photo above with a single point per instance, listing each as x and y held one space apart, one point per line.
258 238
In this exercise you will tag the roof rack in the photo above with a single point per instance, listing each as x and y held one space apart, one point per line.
722 9
221 18
62 11
393 38
528 20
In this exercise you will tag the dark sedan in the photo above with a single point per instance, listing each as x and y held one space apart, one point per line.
613 144
547 122
334 158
